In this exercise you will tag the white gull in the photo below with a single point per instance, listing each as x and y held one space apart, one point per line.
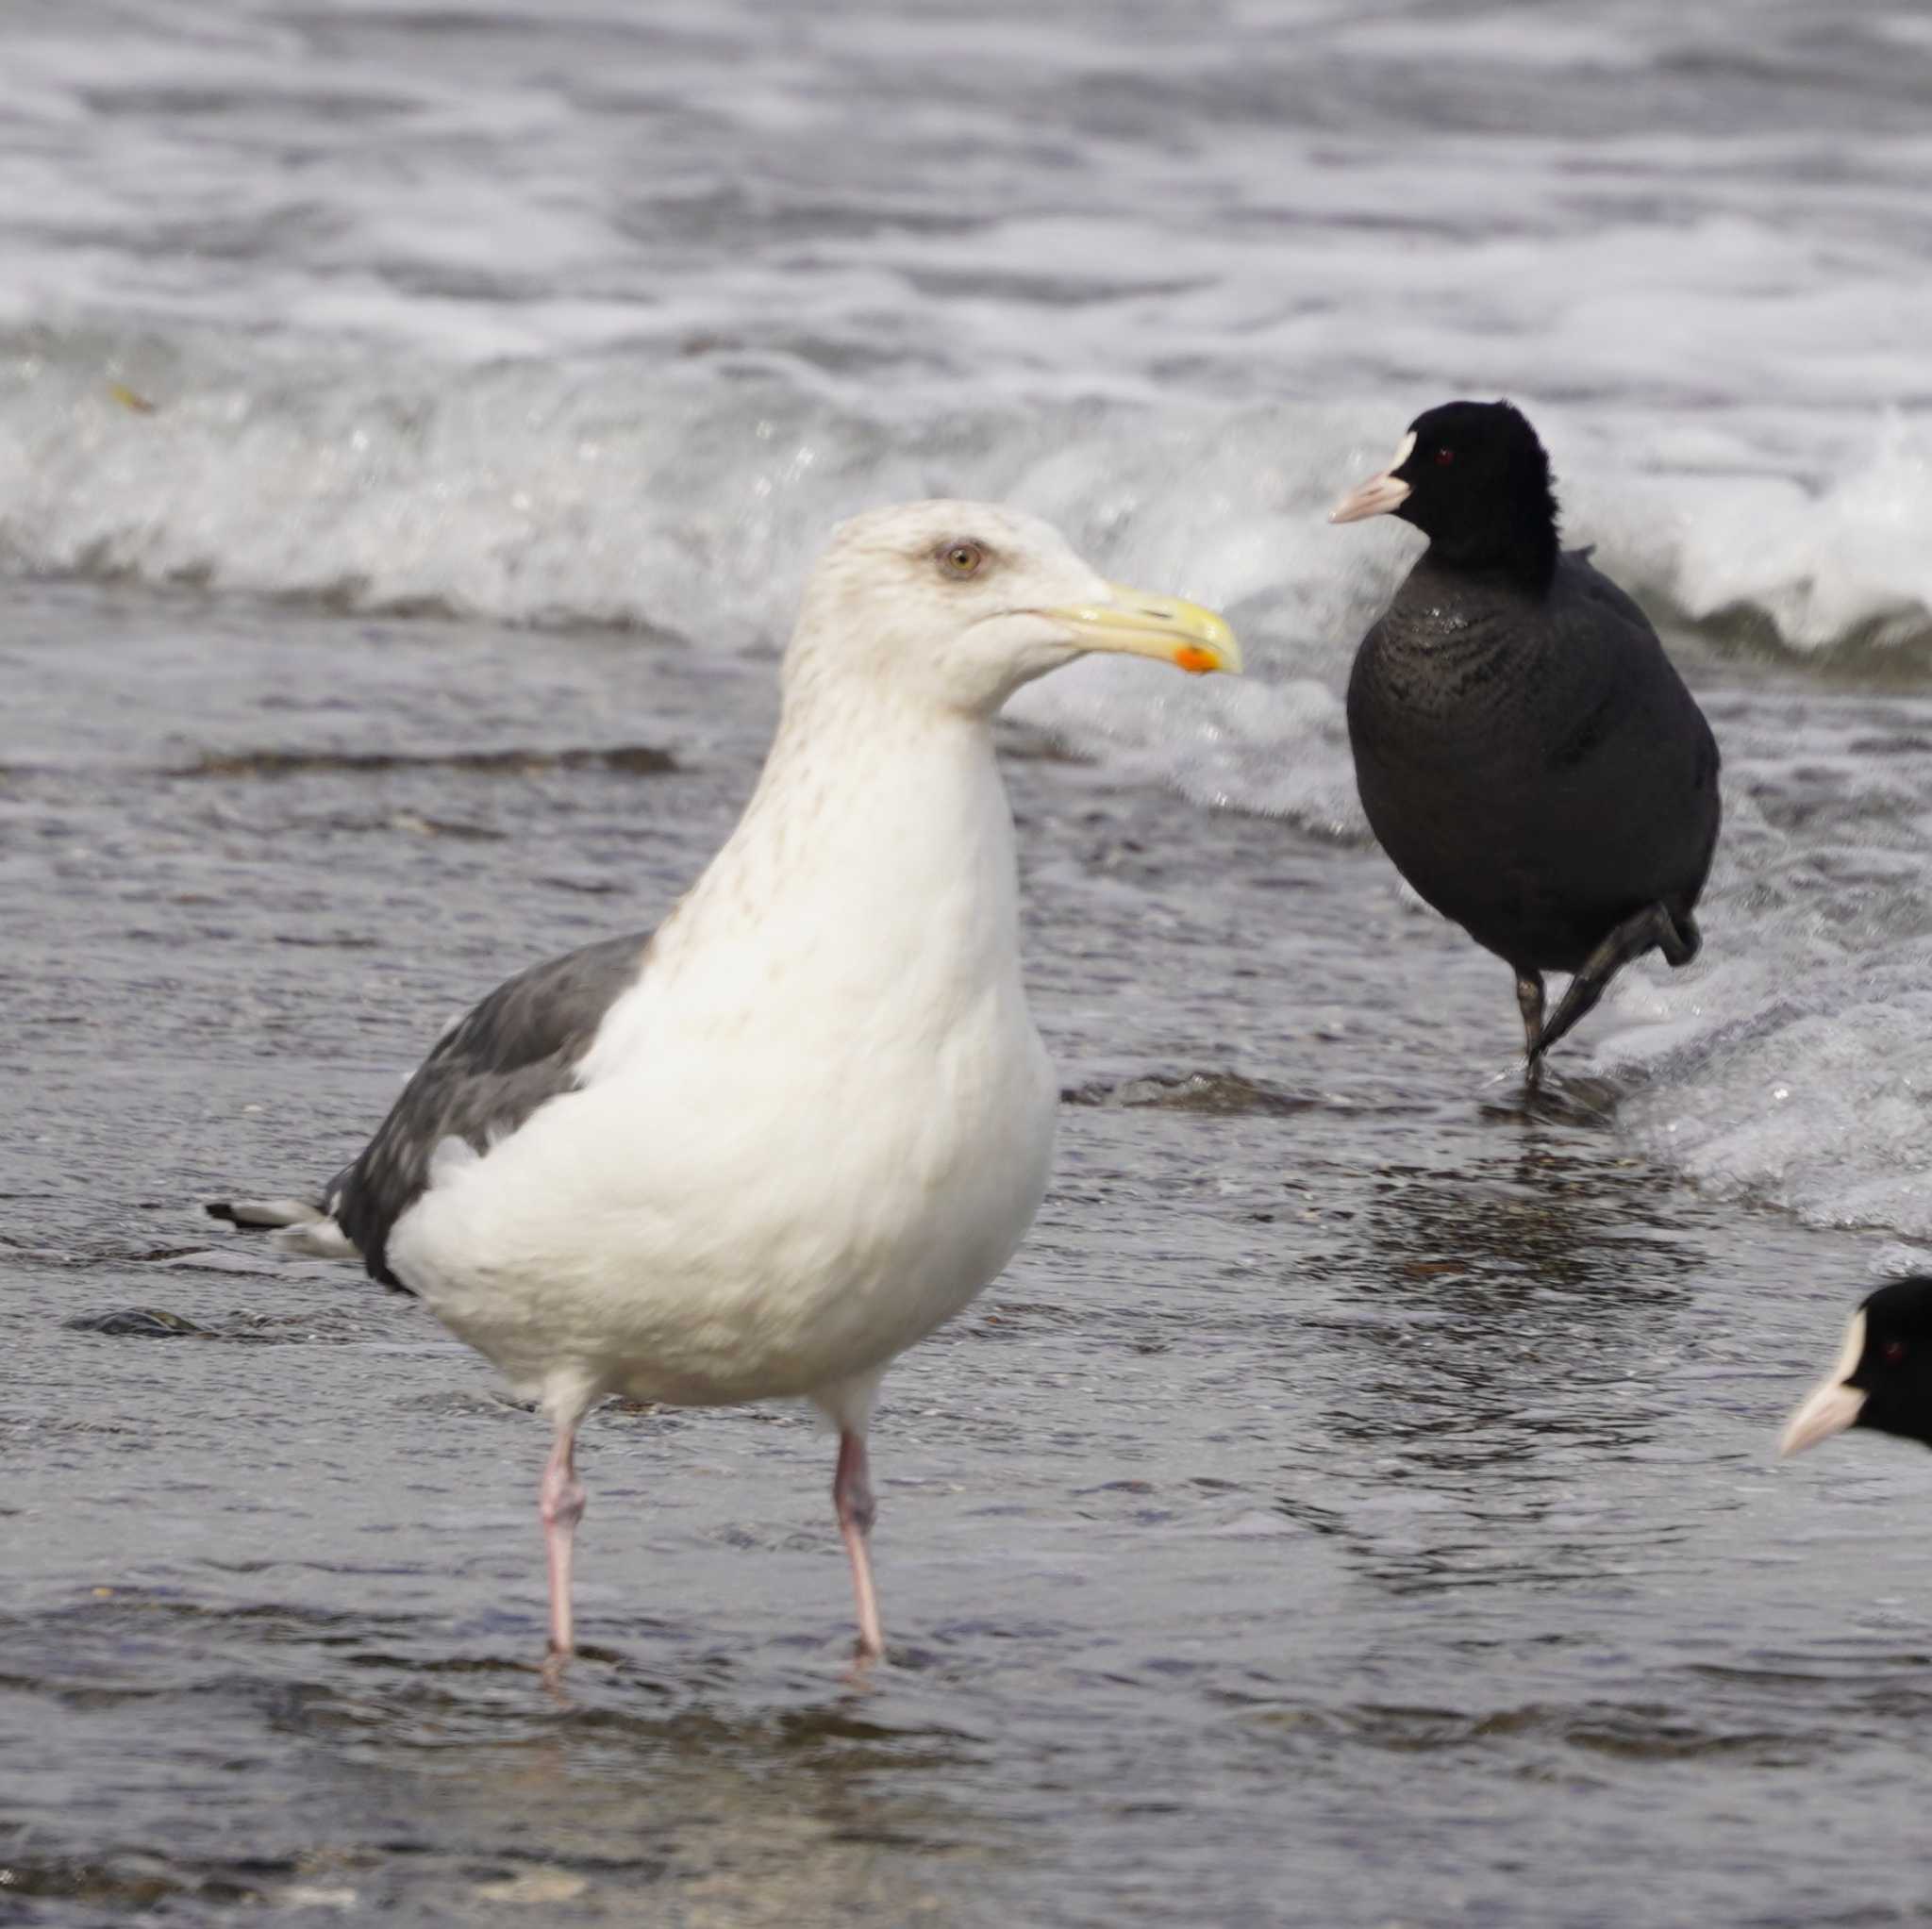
759 1152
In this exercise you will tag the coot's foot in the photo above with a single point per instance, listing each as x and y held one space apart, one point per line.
1652 928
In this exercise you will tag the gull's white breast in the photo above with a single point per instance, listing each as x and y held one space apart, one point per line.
818 1125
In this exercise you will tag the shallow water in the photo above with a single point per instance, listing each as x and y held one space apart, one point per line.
1354 1506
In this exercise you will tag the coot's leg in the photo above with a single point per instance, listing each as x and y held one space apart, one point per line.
1530 1001
1652 927
1681 939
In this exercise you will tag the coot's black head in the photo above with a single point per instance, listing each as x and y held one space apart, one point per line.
1474 478
1883 1378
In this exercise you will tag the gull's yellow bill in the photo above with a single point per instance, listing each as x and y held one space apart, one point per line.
1138 625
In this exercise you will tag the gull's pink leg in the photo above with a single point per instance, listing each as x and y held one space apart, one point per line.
852 1496
563 1505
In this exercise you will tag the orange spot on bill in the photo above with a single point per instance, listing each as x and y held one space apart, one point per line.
1196 662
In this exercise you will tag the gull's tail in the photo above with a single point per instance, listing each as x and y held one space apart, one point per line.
303 1225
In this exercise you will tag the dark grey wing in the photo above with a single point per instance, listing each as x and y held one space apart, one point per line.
481 1080
1629 714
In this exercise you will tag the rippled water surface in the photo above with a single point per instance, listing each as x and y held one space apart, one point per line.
1355 1506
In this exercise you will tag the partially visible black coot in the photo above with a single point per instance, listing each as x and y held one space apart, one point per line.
1526 754
1883 1378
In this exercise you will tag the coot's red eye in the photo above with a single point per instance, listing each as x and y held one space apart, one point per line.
1893 1350
1444 456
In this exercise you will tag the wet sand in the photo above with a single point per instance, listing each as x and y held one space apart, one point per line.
1354 1507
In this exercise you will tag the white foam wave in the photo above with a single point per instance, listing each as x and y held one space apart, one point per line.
595 492
599 491
1826 565
1793 1061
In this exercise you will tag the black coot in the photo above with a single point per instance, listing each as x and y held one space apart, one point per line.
1883 1378
1526 754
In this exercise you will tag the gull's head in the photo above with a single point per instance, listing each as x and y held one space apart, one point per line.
959 604
1883 1376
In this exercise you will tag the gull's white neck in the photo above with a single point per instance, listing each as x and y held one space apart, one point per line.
870 884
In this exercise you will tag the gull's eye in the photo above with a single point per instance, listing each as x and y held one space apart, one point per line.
1895 1351
961 560
1444 456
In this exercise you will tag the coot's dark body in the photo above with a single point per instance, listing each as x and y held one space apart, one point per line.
1532 765
1526 754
